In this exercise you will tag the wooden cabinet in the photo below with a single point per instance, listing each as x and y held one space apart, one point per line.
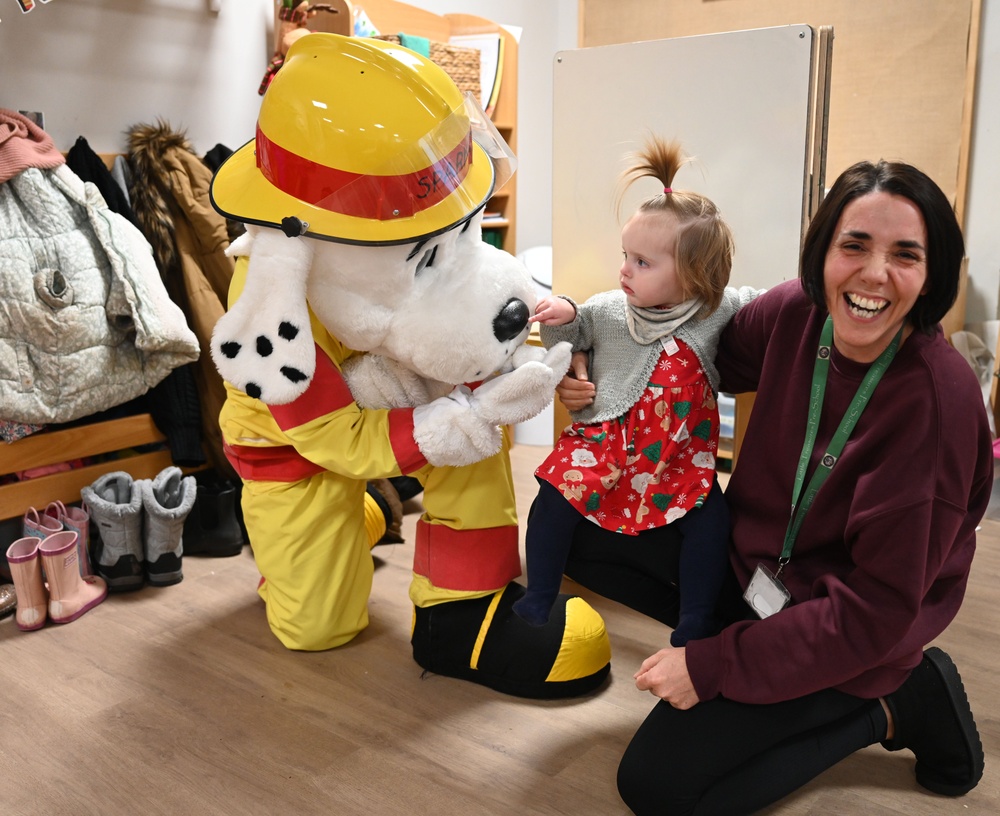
392 17
500 221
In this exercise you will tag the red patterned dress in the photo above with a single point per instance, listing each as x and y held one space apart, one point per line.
649 466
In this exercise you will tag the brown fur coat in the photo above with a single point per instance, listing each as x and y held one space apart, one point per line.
169 191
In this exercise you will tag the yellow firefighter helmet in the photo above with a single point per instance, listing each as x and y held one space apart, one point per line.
365 142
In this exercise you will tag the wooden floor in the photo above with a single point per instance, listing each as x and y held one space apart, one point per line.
180 701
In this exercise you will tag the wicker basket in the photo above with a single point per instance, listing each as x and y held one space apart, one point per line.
461 64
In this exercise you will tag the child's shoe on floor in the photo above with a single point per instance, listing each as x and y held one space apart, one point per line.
115 505
167 500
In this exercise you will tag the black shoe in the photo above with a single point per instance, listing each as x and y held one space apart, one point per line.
212 528
932 717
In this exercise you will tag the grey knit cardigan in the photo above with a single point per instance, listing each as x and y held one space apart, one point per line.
619 365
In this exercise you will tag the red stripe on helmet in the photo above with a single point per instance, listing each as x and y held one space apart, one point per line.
382 198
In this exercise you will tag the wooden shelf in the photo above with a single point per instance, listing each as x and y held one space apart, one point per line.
46 448
393 17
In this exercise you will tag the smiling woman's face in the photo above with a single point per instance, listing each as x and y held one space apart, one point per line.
876 268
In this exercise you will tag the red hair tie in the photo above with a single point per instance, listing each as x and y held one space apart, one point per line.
667 190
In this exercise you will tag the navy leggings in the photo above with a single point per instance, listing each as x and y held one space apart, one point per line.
720 757
702 561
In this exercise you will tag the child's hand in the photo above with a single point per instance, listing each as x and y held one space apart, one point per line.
553 311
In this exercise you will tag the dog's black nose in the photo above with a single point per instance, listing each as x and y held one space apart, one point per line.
511 320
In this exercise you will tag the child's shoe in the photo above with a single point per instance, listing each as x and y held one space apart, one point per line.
26 572
212 527
167 500
76 519
70 595
115 505
39 525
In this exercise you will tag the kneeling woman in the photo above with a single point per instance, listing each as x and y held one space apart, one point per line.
873 429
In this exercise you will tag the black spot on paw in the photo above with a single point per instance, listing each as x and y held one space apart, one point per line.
293 374
230 349
286 331
253 390
264 347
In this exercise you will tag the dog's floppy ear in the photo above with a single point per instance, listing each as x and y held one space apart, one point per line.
264 345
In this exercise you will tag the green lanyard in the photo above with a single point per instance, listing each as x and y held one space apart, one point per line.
802 503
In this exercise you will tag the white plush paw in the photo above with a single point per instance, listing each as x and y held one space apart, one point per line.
526 353
450 432
558 358
525 392
380 382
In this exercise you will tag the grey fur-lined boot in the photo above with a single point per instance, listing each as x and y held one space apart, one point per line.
166 499
115 505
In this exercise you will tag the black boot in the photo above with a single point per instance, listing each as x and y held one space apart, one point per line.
932 717
213 528
483 640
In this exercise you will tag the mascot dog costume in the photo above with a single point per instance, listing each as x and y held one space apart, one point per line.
365 315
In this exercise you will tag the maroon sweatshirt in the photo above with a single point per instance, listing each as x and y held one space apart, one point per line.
882 559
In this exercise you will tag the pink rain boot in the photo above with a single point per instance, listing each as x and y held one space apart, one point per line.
39 525
76 519
69 594
26 570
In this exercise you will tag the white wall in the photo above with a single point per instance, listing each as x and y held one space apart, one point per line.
982 223
96 67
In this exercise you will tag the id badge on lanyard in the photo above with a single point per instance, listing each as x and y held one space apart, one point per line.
765 593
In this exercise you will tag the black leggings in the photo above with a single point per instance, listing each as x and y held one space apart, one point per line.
720 757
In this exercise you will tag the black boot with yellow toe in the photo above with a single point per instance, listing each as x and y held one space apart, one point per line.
483 640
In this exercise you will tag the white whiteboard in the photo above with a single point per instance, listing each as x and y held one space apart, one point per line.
739 102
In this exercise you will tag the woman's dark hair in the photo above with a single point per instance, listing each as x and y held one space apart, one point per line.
945 245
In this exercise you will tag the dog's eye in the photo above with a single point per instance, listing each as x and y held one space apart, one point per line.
427 260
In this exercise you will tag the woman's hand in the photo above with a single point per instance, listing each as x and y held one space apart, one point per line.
575 390
665 675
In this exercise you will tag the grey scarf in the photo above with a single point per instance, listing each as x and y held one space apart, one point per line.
649 325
